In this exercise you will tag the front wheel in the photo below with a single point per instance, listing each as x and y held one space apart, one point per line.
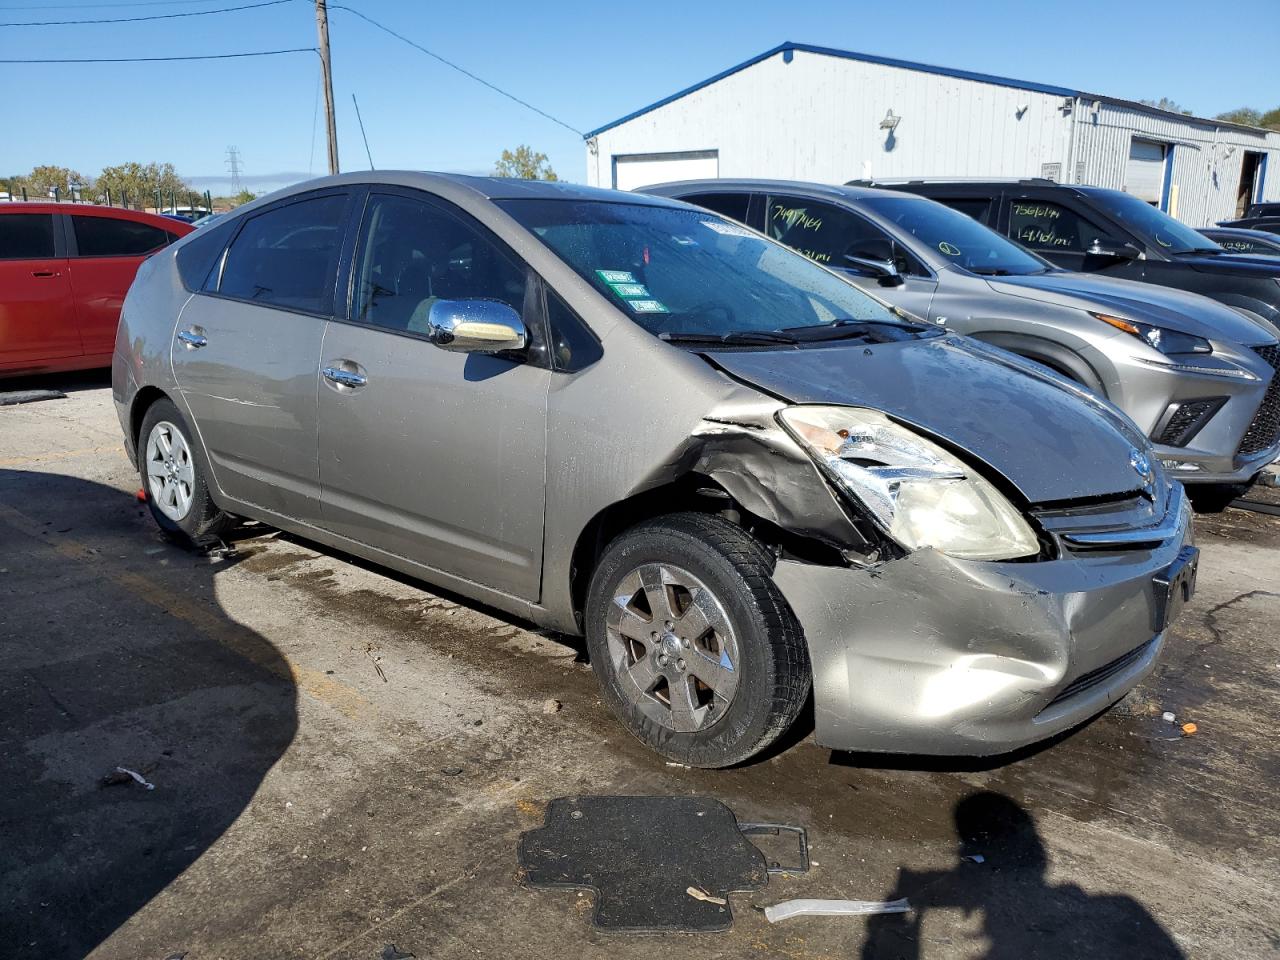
174 477
695 648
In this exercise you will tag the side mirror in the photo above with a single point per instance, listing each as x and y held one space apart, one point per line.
475 326
1113 248
886 271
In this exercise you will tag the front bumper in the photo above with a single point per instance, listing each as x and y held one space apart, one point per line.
933 655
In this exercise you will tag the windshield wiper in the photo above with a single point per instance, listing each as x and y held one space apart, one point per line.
843 329
1201 251
991 271
737 337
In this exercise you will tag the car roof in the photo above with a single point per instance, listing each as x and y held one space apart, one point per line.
745 185
84 210
1242 232
457 184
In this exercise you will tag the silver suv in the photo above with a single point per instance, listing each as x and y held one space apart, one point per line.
737 474
1199 377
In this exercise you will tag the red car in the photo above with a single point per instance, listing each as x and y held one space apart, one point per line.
64 271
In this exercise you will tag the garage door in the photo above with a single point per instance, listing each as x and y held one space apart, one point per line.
1144 177
635 170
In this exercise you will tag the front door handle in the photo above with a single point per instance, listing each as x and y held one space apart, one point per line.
193 340
344 378
44 274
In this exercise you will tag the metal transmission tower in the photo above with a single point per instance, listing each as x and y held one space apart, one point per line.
233 165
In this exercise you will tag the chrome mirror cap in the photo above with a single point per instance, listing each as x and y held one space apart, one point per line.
475 326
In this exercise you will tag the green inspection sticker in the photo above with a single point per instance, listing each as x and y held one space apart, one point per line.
615 276
647 306
630 289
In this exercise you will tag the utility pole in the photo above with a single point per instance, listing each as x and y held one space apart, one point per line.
322 28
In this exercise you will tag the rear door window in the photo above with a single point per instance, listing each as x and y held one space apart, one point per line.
26 236
1046 226
731 205
977 207
288 256
109 237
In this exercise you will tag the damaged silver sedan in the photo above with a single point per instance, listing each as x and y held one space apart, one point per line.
740 477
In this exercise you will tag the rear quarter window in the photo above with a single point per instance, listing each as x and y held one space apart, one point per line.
198 255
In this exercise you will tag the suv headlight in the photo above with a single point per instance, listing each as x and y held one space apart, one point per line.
920 494
1158 338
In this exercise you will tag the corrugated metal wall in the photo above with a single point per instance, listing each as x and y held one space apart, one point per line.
818 118
1206 159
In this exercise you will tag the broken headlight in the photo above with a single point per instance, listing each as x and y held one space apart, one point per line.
920 494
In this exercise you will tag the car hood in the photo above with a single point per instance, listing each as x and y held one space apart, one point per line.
1166 307
1049 439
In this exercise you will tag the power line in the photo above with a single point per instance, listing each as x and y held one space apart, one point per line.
205 56
462 70
90 6
153 16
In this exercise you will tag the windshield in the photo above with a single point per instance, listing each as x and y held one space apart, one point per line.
689 273
1156 227
957 237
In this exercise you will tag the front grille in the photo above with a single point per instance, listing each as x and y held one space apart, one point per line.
1094 677
1265 428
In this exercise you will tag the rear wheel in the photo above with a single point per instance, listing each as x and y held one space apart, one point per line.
695 648
174 478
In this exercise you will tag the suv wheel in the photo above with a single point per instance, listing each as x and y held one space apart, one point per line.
174 478
695 648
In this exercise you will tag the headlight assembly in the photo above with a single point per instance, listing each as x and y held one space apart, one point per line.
918 493
1158 338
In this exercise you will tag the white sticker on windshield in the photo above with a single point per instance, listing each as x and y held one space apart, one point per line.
727 229
647 306
615 276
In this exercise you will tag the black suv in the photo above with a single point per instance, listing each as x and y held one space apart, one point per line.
1107 231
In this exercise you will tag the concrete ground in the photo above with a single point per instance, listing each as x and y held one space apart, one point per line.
343 760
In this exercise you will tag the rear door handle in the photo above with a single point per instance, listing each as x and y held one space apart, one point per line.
344 378
43 274
193 340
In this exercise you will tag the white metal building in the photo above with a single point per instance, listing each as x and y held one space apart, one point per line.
812 113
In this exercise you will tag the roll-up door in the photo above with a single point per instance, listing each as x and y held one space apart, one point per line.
636 170
1144 177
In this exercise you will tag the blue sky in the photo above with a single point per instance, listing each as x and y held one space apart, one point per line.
586 63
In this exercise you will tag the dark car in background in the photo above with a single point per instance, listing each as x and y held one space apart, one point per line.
64 272
1268 224
1241 240
1096 230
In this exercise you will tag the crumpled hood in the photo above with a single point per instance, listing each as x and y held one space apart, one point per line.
1048 439
1166 307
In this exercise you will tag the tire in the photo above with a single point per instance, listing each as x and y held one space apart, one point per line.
1214 497
176 485
734 646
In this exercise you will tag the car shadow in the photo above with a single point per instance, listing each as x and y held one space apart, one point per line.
1000 877
116 656
71 382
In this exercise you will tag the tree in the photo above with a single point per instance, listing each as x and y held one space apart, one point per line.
1246 115
524 164
139 182
44 180
1270 119
244 196
1164 103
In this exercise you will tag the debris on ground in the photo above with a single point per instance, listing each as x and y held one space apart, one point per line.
832 908
551 706
377 661
699 894
1188 729
785 847
975 858
451 771
392 952
13 397
1169 716
123 775
656 864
